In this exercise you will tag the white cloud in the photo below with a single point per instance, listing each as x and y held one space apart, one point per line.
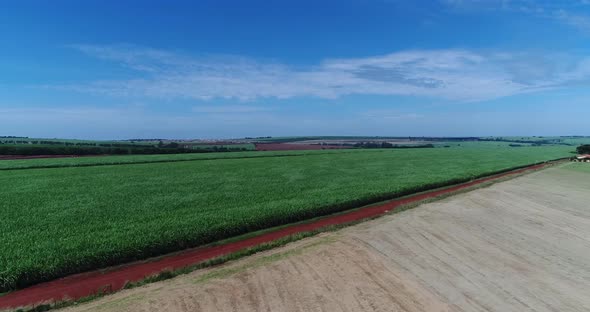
581 22
461 75
228 109
566 12
390 115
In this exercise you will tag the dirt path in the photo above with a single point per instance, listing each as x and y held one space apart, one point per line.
521 245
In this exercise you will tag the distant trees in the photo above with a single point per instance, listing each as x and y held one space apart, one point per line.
31 147
523 140
107 149
83 150
583 149
172 145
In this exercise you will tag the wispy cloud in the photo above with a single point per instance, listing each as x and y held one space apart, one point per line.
390 115
566 12
460 75
229 109
579 21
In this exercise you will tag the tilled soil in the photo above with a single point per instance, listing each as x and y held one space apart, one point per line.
520 245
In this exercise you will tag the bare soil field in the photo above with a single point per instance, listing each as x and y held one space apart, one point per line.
520 245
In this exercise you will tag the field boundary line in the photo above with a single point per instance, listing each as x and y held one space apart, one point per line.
142 162
96 283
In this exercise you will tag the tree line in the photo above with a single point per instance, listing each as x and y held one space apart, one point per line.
83 150
65 143
583 149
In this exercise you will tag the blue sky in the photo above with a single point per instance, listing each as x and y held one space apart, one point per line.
218 69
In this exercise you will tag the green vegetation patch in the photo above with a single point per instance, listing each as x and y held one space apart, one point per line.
61 221
143 159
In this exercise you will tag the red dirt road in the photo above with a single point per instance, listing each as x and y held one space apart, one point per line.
86 284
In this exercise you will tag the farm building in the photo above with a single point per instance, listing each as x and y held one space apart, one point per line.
582 158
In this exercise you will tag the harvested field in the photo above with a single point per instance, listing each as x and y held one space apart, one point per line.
520 245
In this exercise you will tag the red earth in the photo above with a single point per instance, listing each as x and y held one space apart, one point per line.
294 147
113 279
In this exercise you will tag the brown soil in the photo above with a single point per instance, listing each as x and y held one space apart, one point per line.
520 245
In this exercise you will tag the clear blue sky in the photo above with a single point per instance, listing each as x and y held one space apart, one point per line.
215 69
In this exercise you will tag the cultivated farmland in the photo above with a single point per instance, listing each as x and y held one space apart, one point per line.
58 221
141 159
519 245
